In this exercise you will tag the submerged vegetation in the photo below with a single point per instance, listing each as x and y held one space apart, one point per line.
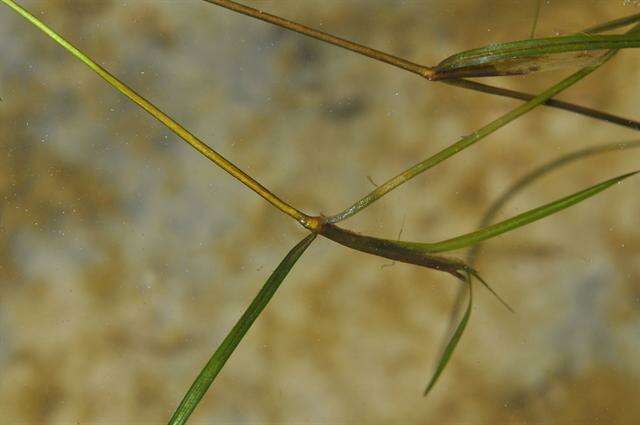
587 50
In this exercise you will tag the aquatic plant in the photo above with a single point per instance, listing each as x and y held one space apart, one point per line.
588 50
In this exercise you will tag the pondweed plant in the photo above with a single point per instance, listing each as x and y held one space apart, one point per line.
588 49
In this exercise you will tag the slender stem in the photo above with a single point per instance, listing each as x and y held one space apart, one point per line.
425 71
421 70
462 144
554 103
179 130
473 138
612 25
392 250
536 16
607 26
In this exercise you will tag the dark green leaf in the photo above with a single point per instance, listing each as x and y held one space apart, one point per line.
612 25
226 348
453 342
541 54
517 188
537 173
517 221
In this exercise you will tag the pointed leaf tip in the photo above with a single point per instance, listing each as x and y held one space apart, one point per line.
534 55
237 333
453 342
490 289
520 220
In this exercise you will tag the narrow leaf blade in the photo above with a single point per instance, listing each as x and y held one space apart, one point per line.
537 173
453 342
525 56
419 253
231 341
519 220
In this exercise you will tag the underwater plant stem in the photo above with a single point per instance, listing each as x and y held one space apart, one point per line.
428 72
553 103
473 138
612 25
536 17
393 250
462 144
423 71
307 221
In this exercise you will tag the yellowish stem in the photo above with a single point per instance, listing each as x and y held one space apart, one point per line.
311 223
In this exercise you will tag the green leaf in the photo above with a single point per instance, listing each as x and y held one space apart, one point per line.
469 140
539 172
540 54
615 24
516 188
453 342
517 221
398 252
226 348
419 253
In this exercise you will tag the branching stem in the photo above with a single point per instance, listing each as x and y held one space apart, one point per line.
421 70
459 146
428 72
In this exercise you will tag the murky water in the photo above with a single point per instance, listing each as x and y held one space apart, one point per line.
126 257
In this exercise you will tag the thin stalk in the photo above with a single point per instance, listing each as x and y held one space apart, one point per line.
536 16
175 127
425 71
553 103
467 141
462 144
394 250
403 252
421 253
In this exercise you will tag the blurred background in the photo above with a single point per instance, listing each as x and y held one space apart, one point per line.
125 257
